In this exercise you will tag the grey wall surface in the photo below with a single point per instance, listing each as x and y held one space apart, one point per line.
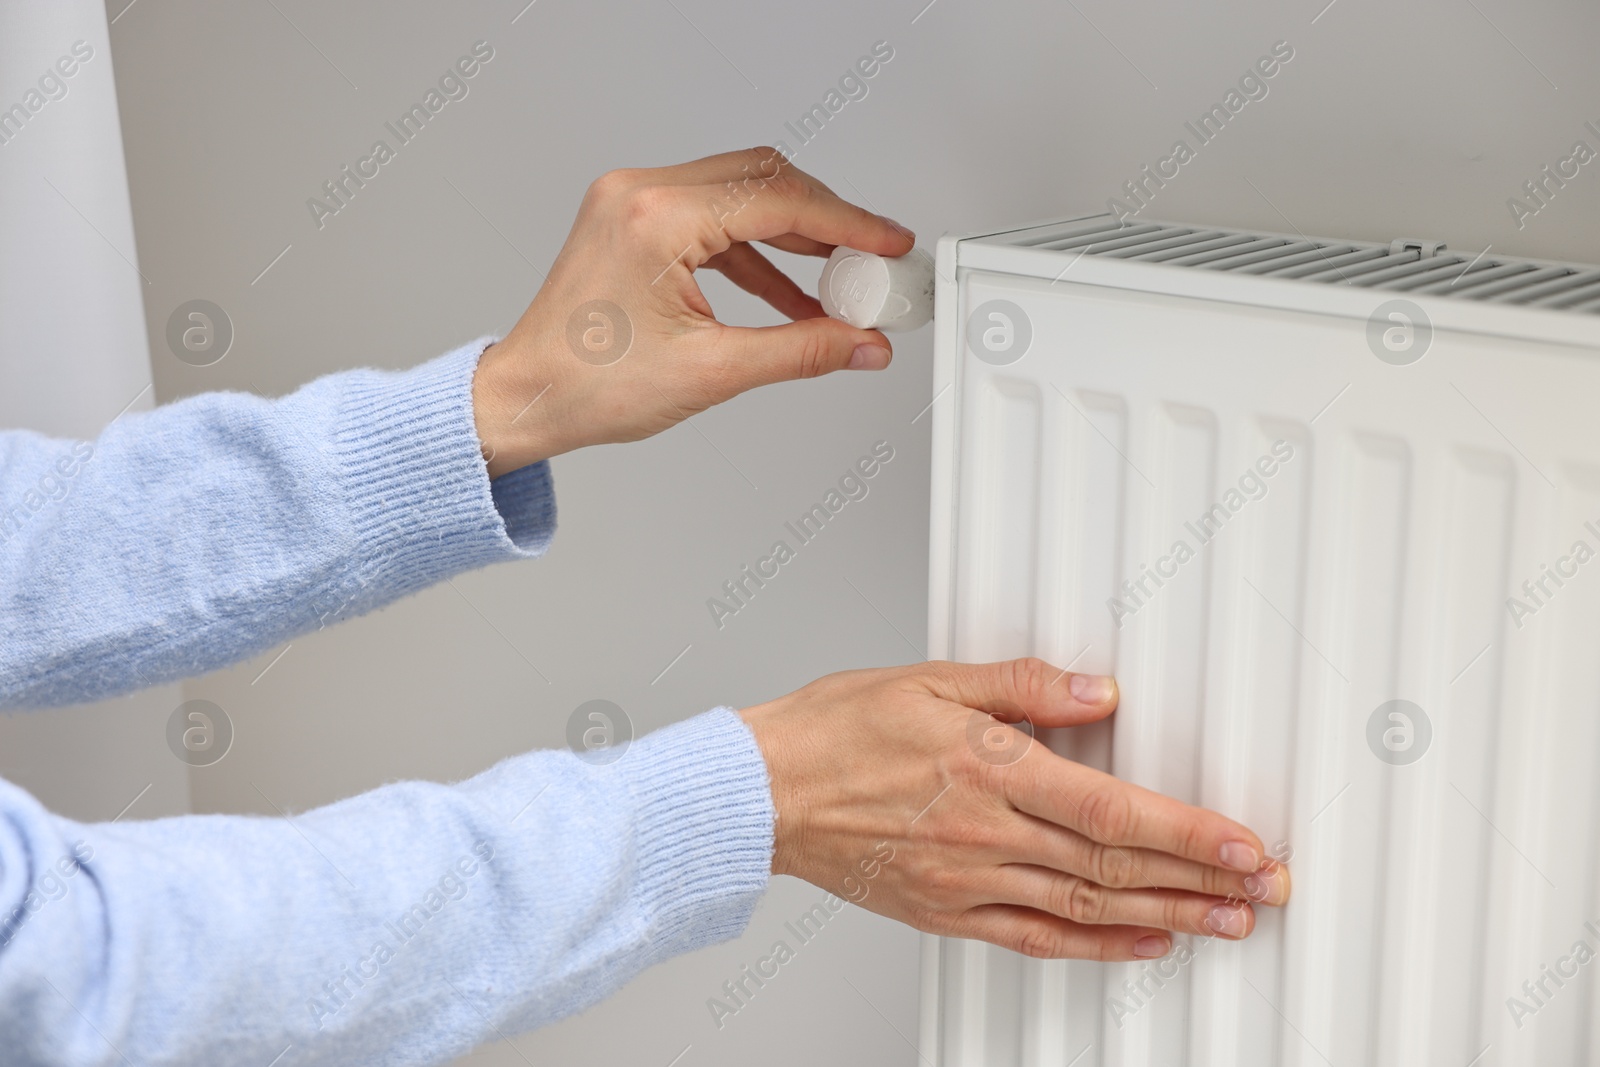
1413 120
72 357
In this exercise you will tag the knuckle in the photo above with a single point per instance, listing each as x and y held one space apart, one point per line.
790 188
611 185
788 184
1111 867
933 672
939 882
1109 813
1218 882
991 778
1081 901
1106 951
968 833
813 355
1191 838
642 206
1029 675
924 917
973 773
1039 941
765 161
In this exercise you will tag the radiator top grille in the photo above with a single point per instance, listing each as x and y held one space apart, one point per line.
1403 266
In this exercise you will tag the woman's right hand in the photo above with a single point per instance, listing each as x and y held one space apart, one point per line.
622 338
902 790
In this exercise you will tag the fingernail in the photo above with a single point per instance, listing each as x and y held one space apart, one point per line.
1269 885
1149 948
869 357
1092 689
1226 921
1256 888
1240 856
902 228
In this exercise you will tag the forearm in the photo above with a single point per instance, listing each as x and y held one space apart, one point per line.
403 926
208 530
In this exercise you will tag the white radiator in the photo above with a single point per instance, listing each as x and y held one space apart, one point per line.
1429 422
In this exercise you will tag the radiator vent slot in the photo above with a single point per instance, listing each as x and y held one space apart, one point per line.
1405 266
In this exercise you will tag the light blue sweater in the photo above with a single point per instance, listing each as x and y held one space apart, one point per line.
403 926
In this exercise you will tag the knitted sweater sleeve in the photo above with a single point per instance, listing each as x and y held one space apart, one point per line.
401 926
209 530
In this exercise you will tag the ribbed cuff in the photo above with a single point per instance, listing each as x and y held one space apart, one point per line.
417 483
705 819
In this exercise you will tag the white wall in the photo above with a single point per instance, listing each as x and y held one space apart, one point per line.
1414 121
72 356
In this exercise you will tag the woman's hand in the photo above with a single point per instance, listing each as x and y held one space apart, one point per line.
902 791
620 343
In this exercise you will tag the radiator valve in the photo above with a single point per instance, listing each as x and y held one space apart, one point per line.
874 292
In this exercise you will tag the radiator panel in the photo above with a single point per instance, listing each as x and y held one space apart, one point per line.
1406 504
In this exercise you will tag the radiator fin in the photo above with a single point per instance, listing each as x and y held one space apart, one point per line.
1373 509
1472 614
1398 267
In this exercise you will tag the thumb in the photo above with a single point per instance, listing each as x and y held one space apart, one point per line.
1031 689
806 348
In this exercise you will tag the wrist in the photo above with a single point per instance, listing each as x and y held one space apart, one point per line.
787 824
512 431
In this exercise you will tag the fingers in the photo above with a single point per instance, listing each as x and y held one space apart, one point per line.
1090 903
1112 812
1097 806
1046 936
731 178
755 274
802 349
679 229
741 173
1010 689
800 246
744 164
752 195
789 204
1045 845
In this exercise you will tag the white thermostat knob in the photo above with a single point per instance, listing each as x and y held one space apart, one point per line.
874 292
